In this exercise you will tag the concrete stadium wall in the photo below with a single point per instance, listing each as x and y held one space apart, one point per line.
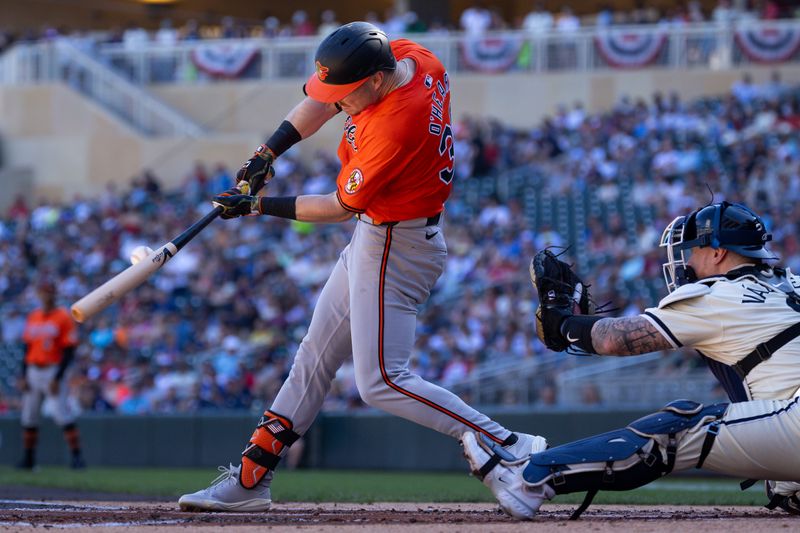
517 98
372 441
73 146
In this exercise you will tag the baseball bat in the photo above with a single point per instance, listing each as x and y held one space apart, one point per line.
133 276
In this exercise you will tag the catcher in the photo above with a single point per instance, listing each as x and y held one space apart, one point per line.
740 314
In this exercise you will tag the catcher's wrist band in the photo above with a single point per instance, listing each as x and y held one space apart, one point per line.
577 330
284 138
281 206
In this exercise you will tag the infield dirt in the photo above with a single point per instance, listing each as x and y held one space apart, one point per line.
157 517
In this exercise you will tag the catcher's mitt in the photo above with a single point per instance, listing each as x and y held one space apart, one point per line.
561 291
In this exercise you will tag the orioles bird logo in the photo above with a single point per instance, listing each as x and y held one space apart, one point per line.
354 182
322 72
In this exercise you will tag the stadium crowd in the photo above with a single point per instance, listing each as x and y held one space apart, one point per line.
481 17
217 328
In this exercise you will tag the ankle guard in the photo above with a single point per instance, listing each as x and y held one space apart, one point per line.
272 436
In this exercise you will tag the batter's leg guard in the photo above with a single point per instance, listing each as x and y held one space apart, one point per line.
622 459
271 438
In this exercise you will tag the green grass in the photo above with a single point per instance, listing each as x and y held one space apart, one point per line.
366 487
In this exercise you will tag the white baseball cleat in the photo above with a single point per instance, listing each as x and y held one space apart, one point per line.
504 479
226 494
526 445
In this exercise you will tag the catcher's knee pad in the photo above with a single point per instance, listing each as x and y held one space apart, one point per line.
272 436
622 459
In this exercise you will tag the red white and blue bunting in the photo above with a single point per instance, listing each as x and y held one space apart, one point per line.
224 60
770 44
625 49
490 54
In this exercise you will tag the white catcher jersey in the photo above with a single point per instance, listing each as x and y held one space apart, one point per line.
725 320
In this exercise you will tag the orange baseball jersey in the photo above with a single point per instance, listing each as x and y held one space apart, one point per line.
47 334
397 155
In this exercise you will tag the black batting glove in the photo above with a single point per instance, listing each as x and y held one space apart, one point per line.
233 191
236 205
257 171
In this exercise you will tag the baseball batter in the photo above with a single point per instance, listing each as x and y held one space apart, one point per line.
742 316
50 337
397 171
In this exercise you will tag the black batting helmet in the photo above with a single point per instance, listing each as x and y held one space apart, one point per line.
346 58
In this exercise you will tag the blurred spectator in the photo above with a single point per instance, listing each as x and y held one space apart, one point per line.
328 22
775 88
271 27
590 395
190 31
226 364
476 20
166 34
134 38
547 395
744 90
19 209
724 12
694 12
455 371
301 25
228 28
567 22
414 24
769 10
136 403
395 22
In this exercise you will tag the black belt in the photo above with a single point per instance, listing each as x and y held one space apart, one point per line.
430 221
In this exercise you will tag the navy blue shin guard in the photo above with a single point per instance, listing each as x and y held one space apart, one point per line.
622 459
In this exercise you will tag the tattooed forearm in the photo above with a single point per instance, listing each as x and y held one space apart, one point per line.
627 336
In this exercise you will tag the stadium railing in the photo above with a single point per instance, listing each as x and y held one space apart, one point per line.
61 61
704 46
618 383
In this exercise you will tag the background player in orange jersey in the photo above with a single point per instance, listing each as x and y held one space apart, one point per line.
50 337
397 170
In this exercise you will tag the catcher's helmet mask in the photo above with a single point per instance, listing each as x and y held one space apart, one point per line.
734 227
346 59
